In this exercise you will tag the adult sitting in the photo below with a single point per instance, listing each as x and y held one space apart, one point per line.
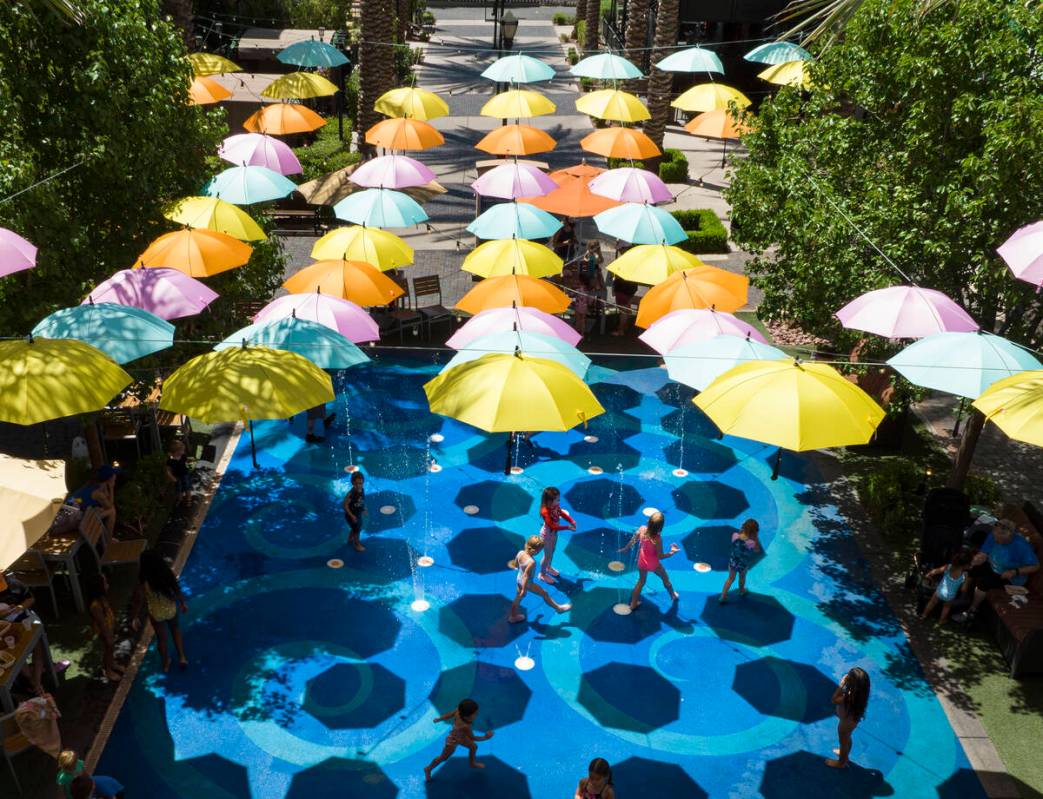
15 602
1005 558
100 493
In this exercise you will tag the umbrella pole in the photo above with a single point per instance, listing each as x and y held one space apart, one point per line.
253 445
510 445
777 464
724 153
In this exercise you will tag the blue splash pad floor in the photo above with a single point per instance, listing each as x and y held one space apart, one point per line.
310 681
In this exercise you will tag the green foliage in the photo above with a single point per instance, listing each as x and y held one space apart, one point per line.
619 163
328 14
428 18
561 18
706 233
405 58
327 153
588 85
140 498
892 498
579 33
982 490
572 56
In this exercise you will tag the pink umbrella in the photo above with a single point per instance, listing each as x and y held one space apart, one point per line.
631 185
16 253
905 312
497 320
512 180
344 316
1023 252
392 172
688 326
167 293
256 149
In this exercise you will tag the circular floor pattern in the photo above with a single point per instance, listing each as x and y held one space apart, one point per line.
387 510
470 510
335 563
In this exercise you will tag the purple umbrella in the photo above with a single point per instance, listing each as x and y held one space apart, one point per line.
498 320
512 180
905 312
344 316
392 172
256 149
167 293
631 185
16 253
1023 252
688 326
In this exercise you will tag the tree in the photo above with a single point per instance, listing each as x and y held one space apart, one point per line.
822 22
660 83
636 34
592 15
376 60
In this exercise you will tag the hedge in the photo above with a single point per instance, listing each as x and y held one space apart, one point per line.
673 168
706 233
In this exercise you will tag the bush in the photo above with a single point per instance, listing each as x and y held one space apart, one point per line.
428 18
587 85
619 163
579 33
673 171
982 490
572 57
327 153
564 19
890 494
139 500
563 37
706 233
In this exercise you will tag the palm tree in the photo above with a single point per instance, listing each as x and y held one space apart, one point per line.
69 9
636 36
376 59
180 12
593 17
660 83
822 21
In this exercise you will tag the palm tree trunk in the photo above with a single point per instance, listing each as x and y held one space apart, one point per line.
636 37
180 12
376 61
581 11
593 18
660 84
402 20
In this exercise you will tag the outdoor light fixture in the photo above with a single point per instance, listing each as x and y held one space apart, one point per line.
508 27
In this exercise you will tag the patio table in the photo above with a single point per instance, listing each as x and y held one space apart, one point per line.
25 643
62 549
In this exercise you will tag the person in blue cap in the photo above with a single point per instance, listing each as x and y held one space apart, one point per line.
100 493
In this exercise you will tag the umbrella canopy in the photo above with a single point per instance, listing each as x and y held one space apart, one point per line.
716 125
325 348
640 223
1015 405
618 142
710 97
692 59
411 102
246 185
283 119
392 172
631 185
31 493
122 332
605 66
516 140
358 281
793 405
380 208
652 263
16 253
331 188
964 364
512 257
256 149
206 91
213 213
343 316
211 64
535 345
402 133
790 73
197 253
581 171
777 53
517 103
358 243
700 363
311 53
1023 252
512 179
510 291
613 104
518 69
689 326
499 320
572 198
299 86
514 220
167 293
43 379
504 393
905 312
693 288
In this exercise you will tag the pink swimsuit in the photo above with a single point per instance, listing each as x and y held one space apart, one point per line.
648 554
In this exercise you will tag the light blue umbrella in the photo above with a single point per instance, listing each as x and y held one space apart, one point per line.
535 345
514 221
518 69
321 345
380 208
122 332
640 223
699 364
964 364
777 53
245 185
312 54
693 59
605 66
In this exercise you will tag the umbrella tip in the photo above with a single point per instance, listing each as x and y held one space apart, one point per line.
244 342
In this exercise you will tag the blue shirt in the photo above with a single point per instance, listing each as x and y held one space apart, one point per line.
81 497
1017 553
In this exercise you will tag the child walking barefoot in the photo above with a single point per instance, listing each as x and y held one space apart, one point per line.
953 583
598 782
552 513
649 554
526 566
354 507
103 621
851 698
745 544
461 735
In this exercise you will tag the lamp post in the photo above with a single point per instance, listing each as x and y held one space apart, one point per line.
508 29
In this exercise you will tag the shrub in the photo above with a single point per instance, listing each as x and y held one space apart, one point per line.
587 84
428 18
673 171
982 490
563 37
327 153
564 19
139 500
619 163
572 57
579 33
890 494
706 233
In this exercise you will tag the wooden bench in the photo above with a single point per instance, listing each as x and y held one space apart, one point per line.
308 219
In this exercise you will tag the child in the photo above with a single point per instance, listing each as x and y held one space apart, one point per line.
70 767
744 545
953 583
851 698
103 621
354 507
648 556
159 588
177 470
552 513
460 735
526 566
598 783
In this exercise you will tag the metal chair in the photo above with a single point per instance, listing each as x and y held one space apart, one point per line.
400 314
110 551
428 286
12 743
32 570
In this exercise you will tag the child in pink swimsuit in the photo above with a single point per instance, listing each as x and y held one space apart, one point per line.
552 513
461 735
649 555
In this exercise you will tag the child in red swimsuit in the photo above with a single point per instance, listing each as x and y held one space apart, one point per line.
552 513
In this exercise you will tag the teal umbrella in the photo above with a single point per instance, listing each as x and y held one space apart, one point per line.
535 345
245 185
692 59
122 332
605 66
311 53
380 208
699 364
514 221
640 223
519 69
777 53
321 345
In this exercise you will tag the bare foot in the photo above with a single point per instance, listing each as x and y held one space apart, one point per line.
476 764
427 774
742 592
166 665
835 763
546 578
553 572
633 605
675 595
723 598
358 546
516 618
183 663
564 608
942 620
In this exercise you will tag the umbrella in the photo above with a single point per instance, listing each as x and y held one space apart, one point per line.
535 345
343 316
518 69
1015 405
640 223
311 53
710 97
197 253
628 184
16 253
514 220
617 142
517 103
246 185
380 208
700 363
692 59
613 104
167 293
790 73
392 172
358 243
358 281
572 198
509 291
411 102
717 125
256 149
43 379
512 179
31 494
688 326
512 257
206 91
497 320
777 53
516 140
1023 252
652 263
212 213
404 134
504 393
211 64
331 188
282 119
299 86
605 66
905 312
693 288
122 332
325 348
964 364
581 171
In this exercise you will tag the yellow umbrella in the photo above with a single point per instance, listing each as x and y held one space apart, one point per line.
411 102
211 64
212 213
31 493
505 393
357 281
197 253
789 73
358 243
695 288
1015 405
299 86
518 103
710 97
512 257
613 104
509 290
43 379
205 91
652 263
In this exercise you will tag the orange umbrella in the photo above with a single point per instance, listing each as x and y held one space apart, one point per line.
283 118
196 252
696 288
358 281
404 133
617 142
516 140
205 91
509 290
581 170
717 124
574 199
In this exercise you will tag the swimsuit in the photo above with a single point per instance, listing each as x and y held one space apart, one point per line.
356 503
648 555
458 735
523 559
950 586
741 553
160 606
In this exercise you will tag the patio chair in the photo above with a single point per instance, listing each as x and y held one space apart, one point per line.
112 551
32 570
430 286
400 314
13 743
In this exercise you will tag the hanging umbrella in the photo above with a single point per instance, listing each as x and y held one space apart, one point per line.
322 346
1023 252
518 69
256 149
167 293
534 345
43 379
605 66
299 86
689 326
652 263
359 243
509 291
283 119
343 316
311 53
573 198
212 213
512 257
1015 406
617 142
504 393
692 59
777 53
498 320
197 253
380 208
516 140
700 363
404 134
31 494
905 312
613 104
514 220
692 288
717 125
791 73
640 223
206 91
710 97
411 102
16 253
631 185
357 281
517 103
331 188
392 172
512 179
211 64
122 332
582 172
246 185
